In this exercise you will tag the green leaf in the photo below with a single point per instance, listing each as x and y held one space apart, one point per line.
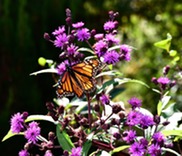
64 139
42 61
10 134
49 70
120 148
171 151
40 117
172 132
164 44
159 107
86 147
83 49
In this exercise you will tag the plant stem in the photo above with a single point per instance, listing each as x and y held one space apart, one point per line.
89 111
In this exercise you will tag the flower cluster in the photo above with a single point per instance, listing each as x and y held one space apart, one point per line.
95 120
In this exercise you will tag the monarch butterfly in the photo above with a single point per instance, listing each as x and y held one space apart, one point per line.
78 79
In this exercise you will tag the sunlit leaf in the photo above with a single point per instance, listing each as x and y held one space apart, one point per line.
172 53
40 117
171 151
64 139
49 70
164 44
84 49
172 132
120 148
10 134
159 107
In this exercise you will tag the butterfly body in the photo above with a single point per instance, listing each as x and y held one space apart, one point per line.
78 79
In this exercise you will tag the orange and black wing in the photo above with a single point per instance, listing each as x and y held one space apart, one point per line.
67 86
79 79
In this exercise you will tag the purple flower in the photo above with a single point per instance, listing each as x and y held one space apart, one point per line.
76 151
61 68
100 47
61 40
104 99
135 102
146 121
23 153
83 34
129 136
163 80
32 132
109 26
154 150
78 25
143 142
133 118
158 138
136 149
98 36
112 39
17 123
111 57
125 51
72 49
59 31
48 153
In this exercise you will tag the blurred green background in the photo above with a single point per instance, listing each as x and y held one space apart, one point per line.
23 23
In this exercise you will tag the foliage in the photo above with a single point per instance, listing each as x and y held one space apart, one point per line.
109 128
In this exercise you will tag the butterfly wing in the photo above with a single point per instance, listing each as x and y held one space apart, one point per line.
78 79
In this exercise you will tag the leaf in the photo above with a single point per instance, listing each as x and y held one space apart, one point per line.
64 139
164 44
40 117
172 53
159 107
120 148
165 102
172 132
86 147
49 70
10 134
83 49
171 151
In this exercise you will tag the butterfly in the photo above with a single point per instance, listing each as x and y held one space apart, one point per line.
78 79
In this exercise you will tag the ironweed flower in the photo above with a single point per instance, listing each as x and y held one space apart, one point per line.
158 138
59 31
104 99
137 149
32 132
125 51
146 121
154 150
76 151
111 57
135 102
78 25
61 41
83 34
129 136
133 118
109 26
17 123
23 153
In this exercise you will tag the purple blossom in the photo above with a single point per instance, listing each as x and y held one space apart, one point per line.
104 99
136 149
100 47
129 136
154 150
163 80
17 123
112 39
111 57
109 25
83 34
78 25
32 132
48 153
133 118
61 68
23 153
158 138
61 40
76 151
71 49
98 36
143 142
135 102
59 31
125 51
146 121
